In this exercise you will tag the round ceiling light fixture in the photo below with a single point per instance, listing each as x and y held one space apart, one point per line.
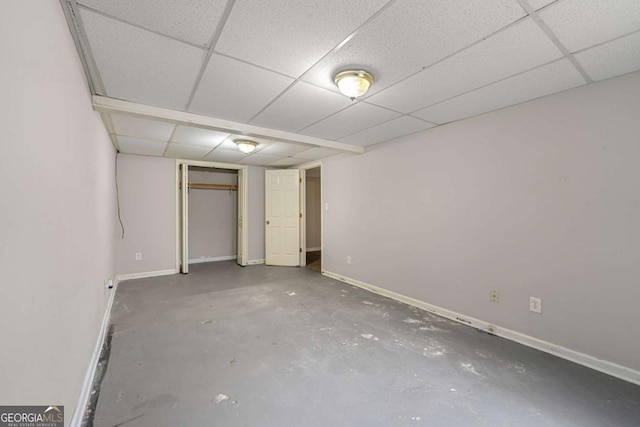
246 146
354 83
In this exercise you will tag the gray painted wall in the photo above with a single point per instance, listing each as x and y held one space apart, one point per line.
213 216
147 205
312 208
57 215
541 199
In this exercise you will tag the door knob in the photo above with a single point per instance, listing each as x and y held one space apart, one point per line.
268 222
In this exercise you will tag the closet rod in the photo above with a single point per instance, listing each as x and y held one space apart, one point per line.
213 186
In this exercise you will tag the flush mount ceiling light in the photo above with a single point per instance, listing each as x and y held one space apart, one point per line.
246 146
354 83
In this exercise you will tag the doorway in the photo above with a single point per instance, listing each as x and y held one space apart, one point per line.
293 216
313 223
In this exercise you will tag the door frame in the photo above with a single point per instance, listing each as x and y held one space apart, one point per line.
243 192
184 219
303 209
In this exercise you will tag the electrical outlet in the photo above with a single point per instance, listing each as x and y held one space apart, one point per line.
535 305
326 206
494 295
138 256
348 259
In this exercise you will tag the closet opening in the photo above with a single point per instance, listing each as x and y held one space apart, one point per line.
212 213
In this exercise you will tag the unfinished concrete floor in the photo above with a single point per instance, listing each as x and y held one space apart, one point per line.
277 346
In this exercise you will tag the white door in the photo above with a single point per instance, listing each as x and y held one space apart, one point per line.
184 213
282 212
241 260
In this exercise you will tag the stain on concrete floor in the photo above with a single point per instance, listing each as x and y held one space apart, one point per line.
276 346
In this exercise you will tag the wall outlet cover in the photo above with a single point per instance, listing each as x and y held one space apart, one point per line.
535 304
494 295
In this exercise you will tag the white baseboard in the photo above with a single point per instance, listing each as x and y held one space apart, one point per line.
314 249
85 393
610 368
212 259
255 262
145 274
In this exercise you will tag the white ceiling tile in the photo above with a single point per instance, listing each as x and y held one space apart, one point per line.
284 149
287 161
317 153
392 129
141 128
495 43
300 106
141 66
234 90
612 59
291 36
518 48
141 146
412 34
198 136
579 24
262 144
351 120
182 151
560 75
229 144
189 20
539 4
224 156
258 159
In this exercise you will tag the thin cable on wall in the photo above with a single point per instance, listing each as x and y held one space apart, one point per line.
118 197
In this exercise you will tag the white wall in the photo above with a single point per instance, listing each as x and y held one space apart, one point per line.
312 208
147 205
57 215
541 199
213 215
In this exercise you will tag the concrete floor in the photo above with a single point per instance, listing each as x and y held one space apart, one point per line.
277 346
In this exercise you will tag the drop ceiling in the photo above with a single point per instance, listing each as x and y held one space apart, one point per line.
270 65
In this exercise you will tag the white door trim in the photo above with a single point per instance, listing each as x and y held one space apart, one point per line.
242 253
184 218
242 193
